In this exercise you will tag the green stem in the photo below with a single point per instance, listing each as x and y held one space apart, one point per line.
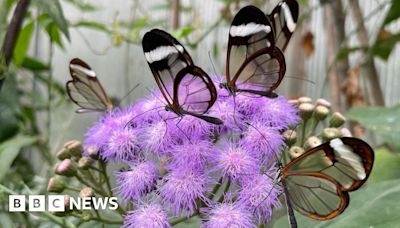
227 186
103 169
303 132
98 190
215 189
176 221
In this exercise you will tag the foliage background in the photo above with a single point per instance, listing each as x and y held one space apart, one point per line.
347 49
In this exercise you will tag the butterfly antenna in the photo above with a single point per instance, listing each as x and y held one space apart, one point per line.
213 66
130 91
300 79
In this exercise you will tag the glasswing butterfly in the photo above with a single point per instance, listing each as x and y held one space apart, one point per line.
85 89
187 89
258 40
317 183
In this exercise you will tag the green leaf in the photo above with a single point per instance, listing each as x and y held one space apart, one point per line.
22 44
54 33
9 150
393 14
384 47
345 52
55 12
92 25
34 64
385 122
183 32
376 205
386 166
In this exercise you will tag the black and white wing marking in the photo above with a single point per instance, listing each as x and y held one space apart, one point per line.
319 180
254 64
284 20
186 87
85 89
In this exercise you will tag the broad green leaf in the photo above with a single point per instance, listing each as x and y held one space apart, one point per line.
9 109
34 64
82 5
53 32
9 150
92 25
55 12
386 166
385 122
22 44
393 14
384 47
376 205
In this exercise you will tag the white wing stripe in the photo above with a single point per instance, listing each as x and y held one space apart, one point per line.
161 52
248 29
288 17
345 152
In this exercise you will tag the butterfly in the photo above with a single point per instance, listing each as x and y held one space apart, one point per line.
284 20
187 89
258 41
318 182
85 89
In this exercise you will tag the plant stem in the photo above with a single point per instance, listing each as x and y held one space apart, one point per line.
98 190
227 186
182 219
103 169
303 132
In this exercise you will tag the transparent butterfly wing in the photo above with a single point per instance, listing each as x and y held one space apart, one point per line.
316 195
254 64
85 89
284 21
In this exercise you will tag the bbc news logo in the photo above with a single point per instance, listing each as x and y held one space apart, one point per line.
59 203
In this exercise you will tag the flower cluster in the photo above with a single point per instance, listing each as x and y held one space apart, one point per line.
187 166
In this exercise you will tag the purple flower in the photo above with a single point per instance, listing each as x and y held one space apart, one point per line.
147 216
122 145
250 105
263 142
278 112
259 195
182 189
157 138
227 216
191 155
193 127
137 182
227 112
235 162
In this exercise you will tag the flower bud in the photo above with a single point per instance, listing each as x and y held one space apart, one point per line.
84 162
66 167
306 110
295 151
346 132
294 102
321 112
86 215
290 137
86 192
305 100
337 120
330 133
92 152
63 154
74 147
312 142
55 185
324 102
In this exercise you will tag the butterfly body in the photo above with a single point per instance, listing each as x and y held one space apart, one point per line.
187 89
